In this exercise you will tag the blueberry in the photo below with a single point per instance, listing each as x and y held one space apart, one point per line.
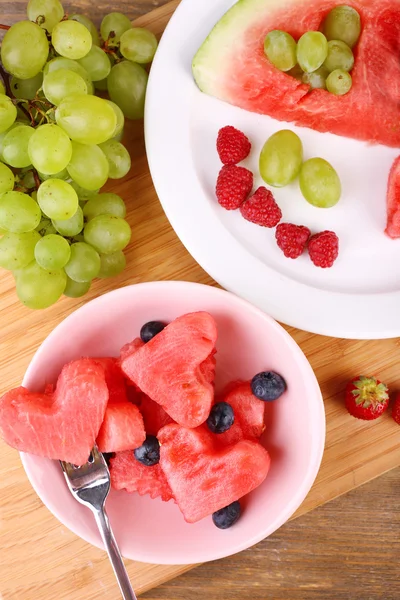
149 452
268 386
228 516
150 329
221 417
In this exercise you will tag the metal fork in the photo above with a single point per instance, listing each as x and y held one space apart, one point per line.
90 485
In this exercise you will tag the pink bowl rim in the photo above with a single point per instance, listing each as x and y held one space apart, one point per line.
315 460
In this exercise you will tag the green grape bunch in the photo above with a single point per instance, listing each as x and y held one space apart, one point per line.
60 142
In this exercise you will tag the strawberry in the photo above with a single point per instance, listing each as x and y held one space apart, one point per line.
232 145
234 184
292 239
366 398
323 249
261 208
396 408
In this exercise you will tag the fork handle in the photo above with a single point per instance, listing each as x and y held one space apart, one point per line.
114 554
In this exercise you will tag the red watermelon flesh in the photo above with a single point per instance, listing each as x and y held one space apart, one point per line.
129 474
115 379
122 428
204 479
249 415
232 66
170 370
393 201
61 426
154 416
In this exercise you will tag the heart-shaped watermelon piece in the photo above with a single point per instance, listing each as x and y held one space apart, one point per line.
176 368
63 425
204 479
231 65
122 428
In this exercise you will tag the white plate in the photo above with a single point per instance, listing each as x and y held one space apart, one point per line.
359 297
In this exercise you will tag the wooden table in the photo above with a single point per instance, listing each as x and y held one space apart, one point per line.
346 549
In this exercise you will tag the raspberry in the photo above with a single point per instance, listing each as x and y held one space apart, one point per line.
323 249
261 209
234 184
292 239
232 145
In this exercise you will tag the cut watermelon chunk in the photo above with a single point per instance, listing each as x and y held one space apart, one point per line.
154 416
231 65
393 201
204 479
249 415
61 426
170 370
122 428
129 474
115 379
130 348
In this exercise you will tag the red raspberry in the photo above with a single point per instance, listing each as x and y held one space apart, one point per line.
396 408
292 239
261 209
234 184
323 249
232 145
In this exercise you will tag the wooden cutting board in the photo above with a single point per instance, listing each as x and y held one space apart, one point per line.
39 557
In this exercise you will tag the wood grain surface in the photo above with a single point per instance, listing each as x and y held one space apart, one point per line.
39 558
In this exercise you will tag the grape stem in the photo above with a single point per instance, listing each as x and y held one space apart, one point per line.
5 27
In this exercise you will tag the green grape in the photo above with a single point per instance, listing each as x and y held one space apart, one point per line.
111 264
84 264
2 88
71 39
118 158
90 26
8 113
75 289
280 49
26 88
127 83
113 26
139 45
18 249
343 23
24 49
339 56
71 65
107 234
39 288
312 50
57 85
60 175
46 227
47 13
52 252
101 85
29 182
86 119
34 196
6 179
104 204
319 183
15 146
19 213
96 63
57 199
72 226
83 194
118 137
50 149
281 158
88 166
119 128
316 79
339 82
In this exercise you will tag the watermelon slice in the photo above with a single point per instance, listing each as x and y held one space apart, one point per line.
122 428
130 348
170 368
115 379
204 479
154 416
393 201
63 425
249 415
231 65
129 474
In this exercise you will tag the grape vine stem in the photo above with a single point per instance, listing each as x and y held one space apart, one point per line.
5 27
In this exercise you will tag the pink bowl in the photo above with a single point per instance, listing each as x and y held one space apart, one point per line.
249 341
